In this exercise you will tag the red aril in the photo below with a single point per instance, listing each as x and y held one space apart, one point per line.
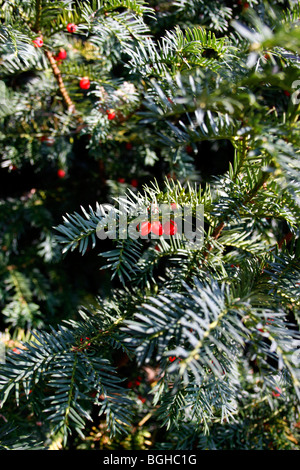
111 114
62 55
85 83
170 228
157 228
38 42
145 228
61 173
71 27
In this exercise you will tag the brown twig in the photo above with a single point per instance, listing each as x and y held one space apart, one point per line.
286 238
215 235
57 73
38 7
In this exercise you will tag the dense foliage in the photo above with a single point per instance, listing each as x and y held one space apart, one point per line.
149 343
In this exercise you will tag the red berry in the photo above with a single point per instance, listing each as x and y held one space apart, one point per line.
189 149
49 141
246 6
157 228
173 206
71 27
85 83
170 228
111 114
121 180
143 399
276 394
286 93
61 173
145 228
128 145
134 183
172 358
61 55
38 42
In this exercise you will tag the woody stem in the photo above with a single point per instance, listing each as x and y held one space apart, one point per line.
61 85
38 8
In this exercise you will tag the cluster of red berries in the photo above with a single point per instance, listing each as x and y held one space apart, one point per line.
83 341
134 383
267 323
156 227
84 83
38 42
84 344
133 182
173 358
